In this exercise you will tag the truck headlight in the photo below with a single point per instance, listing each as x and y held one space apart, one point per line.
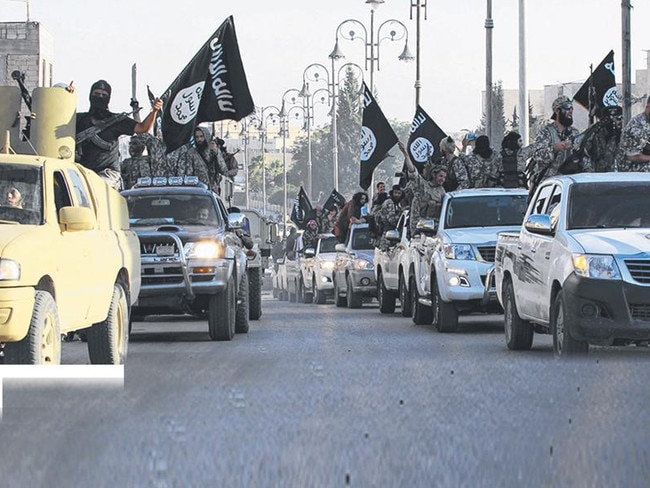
9 270
363 264
596 266
462 252
203 250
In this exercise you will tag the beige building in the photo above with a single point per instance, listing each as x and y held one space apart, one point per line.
26 47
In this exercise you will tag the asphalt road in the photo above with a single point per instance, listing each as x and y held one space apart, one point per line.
320 396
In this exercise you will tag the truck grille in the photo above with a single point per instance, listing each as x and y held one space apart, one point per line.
487 253
640 312
639 269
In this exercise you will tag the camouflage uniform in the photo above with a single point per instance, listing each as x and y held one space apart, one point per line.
195 164
457 177
386 218
600 148
154 164
310 236
545 162
479 169
426 202
635 137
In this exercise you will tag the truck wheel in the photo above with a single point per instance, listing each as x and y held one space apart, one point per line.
445 314
422 315
318 296
255 293
241 316
519 332
354 299
563 343
42 345
339 301
108 341
385 298
221 313
306 295
405 299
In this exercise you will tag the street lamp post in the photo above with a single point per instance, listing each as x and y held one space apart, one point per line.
265 113
284 128
397 32
489 25
418 5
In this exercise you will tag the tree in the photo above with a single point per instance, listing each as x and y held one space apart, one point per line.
498 117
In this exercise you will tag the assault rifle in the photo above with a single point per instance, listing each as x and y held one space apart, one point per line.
86 134
20 79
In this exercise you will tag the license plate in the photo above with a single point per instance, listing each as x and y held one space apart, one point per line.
165 250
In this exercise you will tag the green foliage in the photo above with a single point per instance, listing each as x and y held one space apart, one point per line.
498 117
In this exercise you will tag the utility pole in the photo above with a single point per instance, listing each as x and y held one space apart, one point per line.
626 36
523 88
489 25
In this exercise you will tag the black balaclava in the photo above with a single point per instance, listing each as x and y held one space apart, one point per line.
99 105
482 147
565 119
511 141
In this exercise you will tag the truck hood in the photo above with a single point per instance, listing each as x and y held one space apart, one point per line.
326 256
184 232
613 241
11 232
365 254
476 235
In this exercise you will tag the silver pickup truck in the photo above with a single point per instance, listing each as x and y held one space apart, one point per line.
451 265
579 267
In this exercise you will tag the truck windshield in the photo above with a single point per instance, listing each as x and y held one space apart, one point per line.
361 239
21 188
485 211
605 205
327 245
172 209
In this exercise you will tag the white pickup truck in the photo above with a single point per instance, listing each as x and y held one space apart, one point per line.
451 263
579 268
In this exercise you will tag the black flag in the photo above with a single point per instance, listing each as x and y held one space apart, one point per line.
377 137
302 210
211 87
335 198
601 84
424 139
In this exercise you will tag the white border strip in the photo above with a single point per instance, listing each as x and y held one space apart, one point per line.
95 374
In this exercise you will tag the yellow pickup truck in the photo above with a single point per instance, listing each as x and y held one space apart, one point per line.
68 260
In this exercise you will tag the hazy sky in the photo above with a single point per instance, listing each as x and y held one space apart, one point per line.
279 38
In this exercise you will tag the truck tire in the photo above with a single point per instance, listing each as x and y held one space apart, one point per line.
318 296
307 295
255 293
385 298
42 345
519 332
241 316
564 345
339 301
422 315
221 313
108 341
354 299
445 314
405 298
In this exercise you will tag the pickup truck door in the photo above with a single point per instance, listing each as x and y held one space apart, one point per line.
534 261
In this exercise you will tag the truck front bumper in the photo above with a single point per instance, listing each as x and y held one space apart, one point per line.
465 281
16 306
603 311
364 282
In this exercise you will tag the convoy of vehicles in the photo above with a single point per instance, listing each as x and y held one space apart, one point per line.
192 259
579 266
316 269
68 260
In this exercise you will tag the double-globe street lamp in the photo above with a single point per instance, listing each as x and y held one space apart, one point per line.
391 29
262 115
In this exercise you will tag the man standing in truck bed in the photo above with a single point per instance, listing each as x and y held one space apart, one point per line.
98 131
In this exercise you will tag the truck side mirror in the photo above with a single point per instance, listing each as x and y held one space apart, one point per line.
273 232
392 236
428 227
539 224
310 252
339 247
76 218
